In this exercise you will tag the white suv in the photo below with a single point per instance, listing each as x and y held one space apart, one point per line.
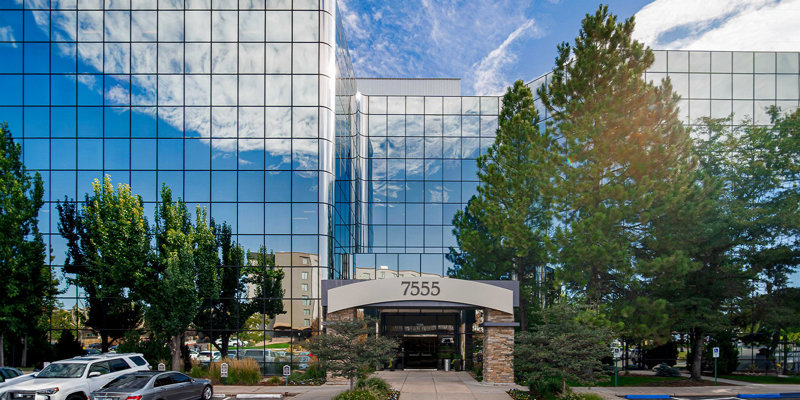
75 378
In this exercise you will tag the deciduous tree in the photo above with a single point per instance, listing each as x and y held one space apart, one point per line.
108 249
28 288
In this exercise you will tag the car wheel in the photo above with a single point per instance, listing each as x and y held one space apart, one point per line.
208 392
76 397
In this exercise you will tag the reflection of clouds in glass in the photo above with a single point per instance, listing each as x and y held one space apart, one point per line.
304 122
117 27
143 57
171 90
90 26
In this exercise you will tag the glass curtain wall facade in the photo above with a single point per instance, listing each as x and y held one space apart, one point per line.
230 103
251 109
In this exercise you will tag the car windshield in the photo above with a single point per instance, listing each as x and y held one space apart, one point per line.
128 382
65 370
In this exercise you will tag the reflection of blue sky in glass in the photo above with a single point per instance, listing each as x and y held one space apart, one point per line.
161 97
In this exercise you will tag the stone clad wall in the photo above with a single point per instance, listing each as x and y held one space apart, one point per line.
498 348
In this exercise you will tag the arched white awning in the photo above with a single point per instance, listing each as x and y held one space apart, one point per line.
416 290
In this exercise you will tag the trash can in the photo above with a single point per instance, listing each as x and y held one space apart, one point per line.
447 364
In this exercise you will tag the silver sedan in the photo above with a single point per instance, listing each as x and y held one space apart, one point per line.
152 385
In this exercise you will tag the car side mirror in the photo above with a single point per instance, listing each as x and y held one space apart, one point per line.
94 374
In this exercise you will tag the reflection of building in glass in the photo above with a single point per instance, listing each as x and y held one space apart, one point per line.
252 109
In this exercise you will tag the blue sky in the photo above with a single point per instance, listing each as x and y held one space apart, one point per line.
489 44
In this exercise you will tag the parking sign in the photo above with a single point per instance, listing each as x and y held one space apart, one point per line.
162 367
617 353
716 352
287 370
223 370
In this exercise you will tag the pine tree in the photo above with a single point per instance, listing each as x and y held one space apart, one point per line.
512 211
625 154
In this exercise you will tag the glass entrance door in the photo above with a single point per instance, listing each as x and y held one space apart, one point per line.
425 338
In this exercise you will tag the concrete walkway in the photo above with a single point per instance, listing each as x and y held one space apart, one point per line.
440 385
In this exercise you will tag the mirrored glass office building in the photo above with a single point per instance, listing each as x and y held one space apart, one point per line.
251 108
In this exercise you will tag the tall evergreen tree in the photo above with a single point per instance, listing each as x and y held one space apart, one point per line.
512 211
28 288
625 152
267 281
108 248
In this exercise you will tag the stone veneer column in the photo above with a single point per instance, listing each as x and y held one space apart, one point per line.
348 314
498 347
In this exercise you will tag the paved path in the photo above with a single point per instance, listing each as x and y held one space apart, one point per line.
440 385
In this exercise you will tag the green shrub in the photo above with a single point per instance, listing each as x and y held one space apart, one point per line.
152 348
591 396
665 370
314 372
569 395
544 386
240 372
376 384
358 394
296 376
275 380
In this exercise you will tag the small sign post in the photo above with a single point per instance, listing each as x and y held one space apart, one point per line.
287 370
716 356
617 355
223 370
162 367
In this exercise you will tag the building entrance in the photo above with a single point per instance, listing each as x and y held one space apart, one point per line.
426 338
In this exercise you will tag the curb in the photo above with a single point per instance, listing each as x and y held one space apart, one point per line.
259 396
648 396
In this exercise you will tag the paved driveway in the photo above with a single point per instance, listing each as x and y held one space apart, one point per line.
440 385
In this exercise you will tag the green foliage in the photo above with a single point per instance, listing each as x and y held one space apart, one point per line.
350 347
666 353
314 372
108 250
626 156
67 346
567 345
275 380
728 359
360 394
240 372
267 279
374 383
504 231
184 249
665 369
153 349
28 290
370 388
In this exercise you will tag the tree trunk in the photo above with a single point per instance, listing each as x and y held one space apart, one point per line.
563 384
697 355
2 350
175 352
351 383
104 341
24 361
523 298
224 339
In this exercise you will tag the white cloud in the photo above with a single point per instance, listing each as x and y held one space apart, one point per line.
7 35
766 25
488 77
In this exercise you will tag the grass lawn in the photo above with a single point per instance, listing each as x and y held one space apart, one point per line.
636 380
763 379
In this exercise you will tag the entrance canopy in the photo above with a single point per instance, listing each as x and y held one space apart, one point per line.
420 292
